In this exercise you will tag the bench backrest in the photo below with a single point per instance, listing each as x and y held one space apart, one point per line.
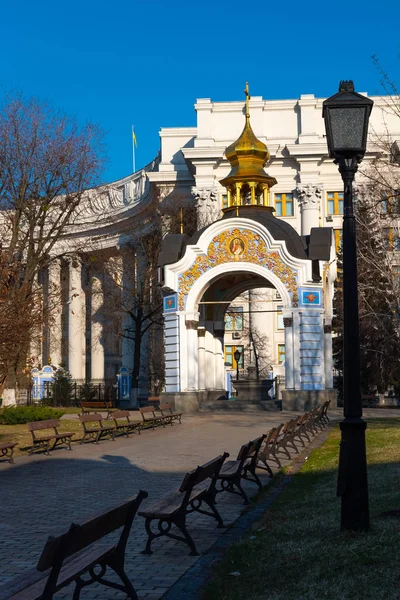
147 409
80 536
302 419
166 407
254 449
250 449
271 440
202 472
98 404
49 424
120 414
90 418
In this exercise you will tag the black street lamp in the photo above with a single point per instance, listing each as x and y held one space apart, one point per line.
237 354
346 117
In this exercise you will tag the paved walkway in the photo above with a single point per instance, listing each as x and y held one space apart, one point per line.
41 496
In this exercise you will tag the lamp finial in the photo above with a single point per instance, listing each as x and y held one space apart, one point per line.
346 86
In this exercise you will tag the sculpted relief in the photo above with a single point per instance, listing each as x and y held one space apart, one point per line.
207 206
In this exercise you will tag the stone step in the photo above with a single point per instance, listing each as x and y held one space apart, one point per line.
239 406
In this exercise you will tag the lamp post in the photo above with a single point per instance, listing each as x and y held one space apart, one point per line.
346 116
237 354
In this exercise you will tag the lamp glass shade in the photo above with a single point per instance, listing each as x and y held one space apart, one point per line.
346 116
347 126
237 355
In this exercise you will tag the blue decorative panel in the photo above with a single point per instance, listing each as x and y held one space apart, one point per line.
310 297
170 303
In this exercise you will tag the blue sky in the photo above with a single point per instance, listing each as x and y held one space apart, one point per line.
144 63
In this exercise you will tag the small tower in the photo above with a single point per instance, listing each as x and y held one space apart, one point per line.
247 183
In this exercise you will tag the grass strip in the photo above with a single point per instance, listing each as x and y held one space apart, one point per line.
297 552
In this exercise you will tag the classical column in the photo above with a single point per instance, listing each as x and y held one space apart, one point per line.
296 351
36 333
210 358
192 354
55 309
309 198
143 275
328 361
201 337
289 358
219 359
127 299
76 321
97 328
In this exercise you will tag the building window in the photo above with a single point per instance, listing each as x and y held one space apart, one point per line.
230 356
284 205
391 239
280 318
281 354
338 233
335 203
390 204
224 200
234 318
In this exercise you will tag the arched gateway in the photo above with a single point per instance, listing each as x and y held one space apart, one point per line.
247 248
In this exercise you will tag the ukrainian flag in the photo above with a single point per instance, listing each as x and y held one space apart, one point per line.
134 137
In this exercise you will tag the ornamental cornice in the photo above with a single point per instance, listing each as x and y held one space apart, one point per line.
212 153
319 149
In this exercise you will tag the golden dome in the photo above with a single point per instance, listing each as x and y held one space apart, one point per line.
248 156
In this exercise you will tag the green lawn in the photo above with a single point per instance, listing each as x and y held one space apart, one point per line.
297 552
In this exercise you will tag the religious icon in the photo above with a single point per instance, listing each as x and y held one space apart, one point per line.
236 247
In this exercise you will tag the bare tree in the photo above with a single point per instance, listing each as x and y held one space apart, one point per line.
47 161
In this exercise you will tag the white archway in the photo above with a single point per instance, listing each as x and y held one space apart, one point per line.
206 279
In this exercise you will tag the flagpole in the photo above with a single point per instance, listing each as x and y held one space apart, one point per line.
133 150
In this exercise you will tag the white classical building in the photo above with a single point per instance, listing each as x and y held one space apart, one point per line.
280 248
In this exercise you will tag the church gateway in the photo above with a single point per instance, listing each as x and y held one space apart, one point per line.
224 246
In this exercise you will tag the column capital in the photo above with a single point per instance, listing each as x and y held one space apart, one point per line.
288 321
309 195
191 324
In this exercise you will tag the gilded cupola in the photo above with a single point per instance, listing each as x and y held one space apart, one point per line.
247 183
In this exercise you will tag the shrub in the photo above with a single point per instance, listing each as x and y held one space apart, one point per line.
15 415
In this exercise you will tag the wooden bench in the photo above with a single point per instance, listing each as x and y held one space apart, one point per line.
153 419
67 558
244 467
286 438
7 451
369 400
324 417
106 406
268 451
43 442
98 430
173 508
301 433
166 411
124 424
